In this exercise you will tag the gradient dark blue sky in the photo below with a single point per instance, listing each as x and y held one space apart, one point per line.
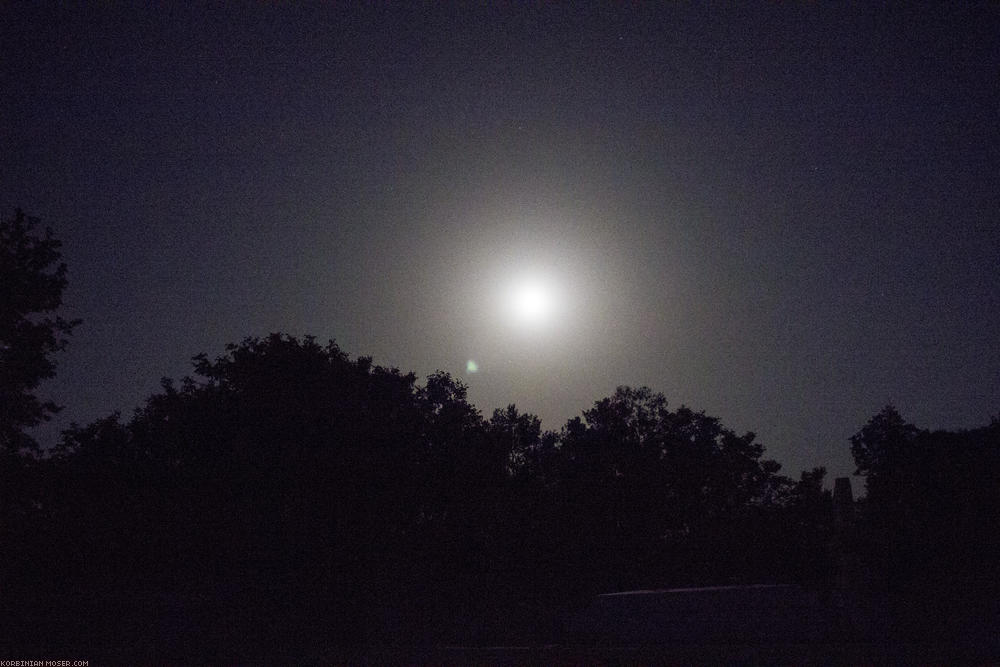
787 216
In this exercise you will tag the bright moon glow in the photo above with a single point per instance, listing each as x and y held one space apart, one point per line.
532 302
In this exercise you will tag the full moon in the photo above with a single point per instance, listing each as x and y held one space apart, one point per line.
532 302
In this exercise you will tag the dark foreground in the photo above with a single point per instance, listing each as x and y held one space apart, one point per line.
748 625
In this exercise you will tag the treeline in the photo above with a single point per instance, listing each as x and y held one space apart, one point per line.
290 495
288 489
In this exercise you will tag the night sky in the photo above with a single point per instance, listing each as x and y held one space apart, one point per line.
785 215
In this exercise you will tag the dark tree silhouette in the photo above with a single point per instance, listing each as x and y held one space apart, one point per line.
654 494
879 450
32 281
930 523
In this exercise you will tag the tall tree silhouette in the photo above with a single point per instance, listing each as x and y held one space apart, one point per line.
930 523
32 280
880 448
